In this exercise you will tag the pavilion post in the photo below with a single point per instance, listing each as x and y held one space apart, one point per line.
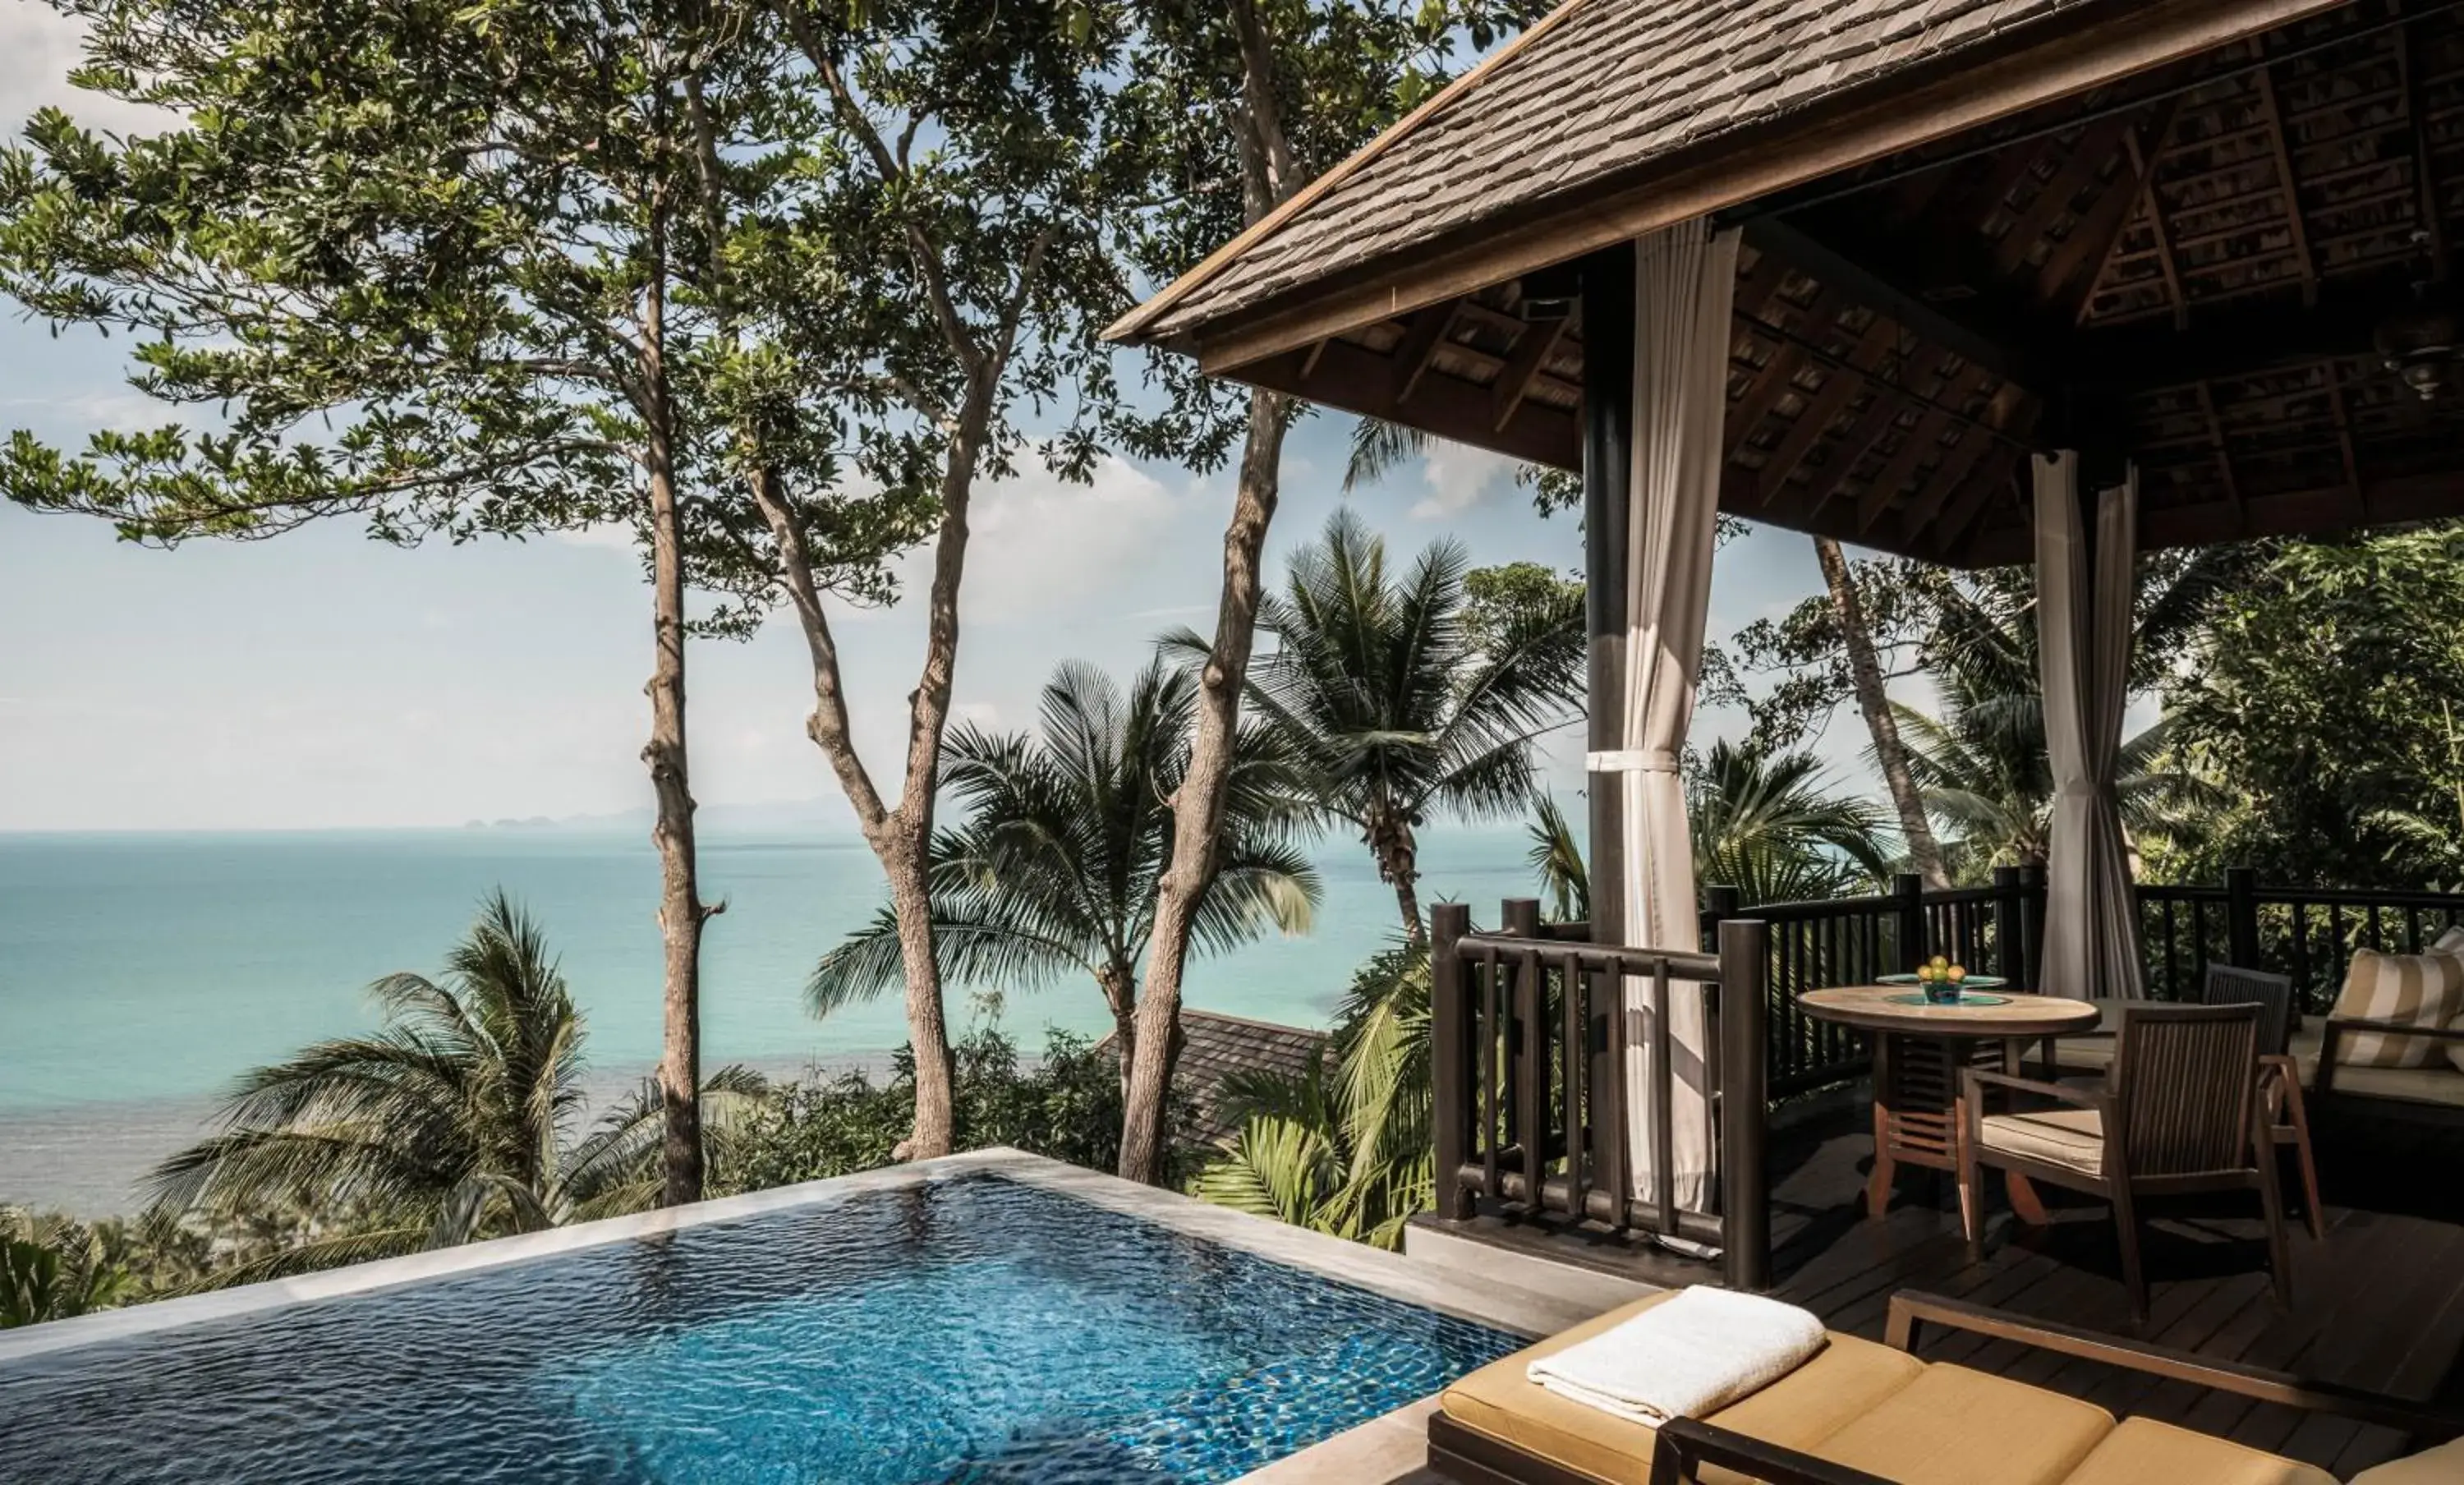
1607 279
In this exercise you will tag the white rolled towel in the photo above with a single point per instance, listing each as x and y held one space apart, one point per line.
1683 1358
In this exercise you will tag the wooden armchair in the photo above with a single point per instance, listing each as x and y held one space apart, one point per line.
2180 1113
2279 1077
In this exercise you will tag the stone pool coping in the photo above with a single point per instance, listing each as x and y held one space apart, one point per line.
1385 1274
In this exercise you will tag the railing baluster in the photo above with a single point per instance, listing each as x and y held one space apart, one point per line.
1663 1101
1574 1048
1449 1106
1491 1032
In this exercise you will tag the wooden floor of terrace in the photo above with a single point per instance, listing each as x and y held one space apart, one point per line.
2378 1304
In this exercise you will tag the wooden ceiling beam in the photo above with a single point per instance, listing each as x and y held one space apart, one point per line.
2086 160
1424 335
2425 173
2092 242
2250 337
1524 364
1352 378
2272 113
2217 446
1838 386
1780 373
1964 510
1922 439
2010 340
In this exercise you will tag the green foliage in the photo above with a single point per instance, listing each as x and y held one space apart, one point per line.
52 1268
1400 698
1053 869
1767 825
1557 859
2326 707
1066 1107
455 1120
1345 1147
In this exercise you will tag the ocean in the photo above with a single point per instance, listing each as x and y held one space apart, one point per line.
140 974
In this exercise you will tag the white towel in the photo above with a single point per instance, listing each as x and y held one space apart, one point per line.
1683 1358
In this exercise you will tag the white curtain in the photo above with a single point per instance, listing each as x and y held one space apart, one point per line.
1685 277
2083 602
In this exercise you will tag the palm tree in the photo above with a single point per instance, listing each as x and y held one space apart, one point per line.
1393 706
1557 858
54 1267
1053 872
1982 765
455 1120
1764 823
1344 1146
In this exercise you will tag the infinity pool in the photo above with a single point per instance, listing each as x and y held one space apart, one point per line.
968 1330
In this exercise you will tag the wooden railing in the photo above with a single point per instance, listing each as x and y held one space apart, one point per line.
1530 1036
2309 933
1996 929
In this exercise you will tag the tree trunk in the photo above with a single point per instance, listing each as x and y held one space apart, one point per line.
681 913
1197 805
934 1130
1873 700
1399 864
1120 987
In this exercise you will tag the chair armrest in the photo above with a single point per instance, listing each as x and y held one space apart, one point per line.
1685 1445
1911 1312
2334 1029
2080 1097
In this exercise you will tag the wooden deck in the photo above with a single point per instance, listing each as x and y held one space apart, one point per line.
2379 1304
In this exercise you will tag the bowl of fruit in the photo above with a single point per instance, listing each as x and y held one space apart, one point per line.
1947 984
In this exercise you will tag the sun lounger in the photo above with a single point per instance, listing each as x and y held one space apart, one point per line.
1860 1412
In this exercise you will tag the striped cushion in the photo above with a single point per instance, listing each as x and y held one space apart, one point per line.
2410 989
2451 942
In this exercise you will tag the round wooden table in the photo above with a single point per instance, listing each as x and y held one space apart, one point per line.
1919 1050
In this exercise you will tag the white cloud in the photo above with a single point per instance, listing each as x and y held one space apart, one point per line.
1458 476
1040 546
37 47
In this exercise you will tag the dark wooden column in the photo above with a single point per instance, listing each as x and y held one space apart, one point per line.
1608 475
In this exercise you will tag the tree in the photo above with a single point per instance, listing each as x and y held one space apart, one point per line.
1982 765
942 258
1380 693
1557 858
1763 824
1053 870
2323 709
454 1121
1242 104
443 268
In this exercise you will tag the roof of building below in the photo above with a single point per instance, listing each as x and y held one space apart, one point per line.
1214 1047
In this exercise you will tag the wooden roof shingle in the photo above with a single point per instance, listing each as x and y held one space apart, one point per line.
1599 88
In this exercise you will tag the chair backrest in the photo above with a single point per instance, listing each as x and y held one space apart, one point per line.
2183 1081
2227 985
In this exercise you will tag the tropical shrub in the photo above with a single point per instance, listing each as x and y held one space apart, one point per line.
1066 1106
1344 1146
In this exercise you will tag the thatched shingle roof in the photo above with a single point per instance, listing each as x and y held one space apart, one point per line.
1599 88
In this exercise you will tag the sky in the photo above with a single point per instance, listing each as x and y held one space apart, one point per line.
325 680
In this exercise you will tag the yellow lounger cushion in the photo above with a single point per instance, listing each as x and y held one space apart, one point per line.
2146 1453
2440 1466
1957 1426
1848 1377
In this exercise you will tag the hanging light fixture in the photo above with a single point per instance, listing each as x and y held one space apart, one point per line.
2420 344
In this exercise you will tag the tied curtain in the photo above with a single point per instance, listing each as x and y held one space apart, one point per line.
1685 277
2084 595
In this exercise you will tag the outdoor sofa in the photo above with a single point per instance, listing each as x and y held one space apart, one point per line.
1862 1412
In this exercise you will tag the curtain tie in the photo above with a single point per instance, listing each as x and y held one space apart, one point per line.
1632 760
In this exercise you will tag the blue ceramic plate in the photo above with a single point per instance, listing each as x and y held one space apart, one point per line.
1974 981
1918 999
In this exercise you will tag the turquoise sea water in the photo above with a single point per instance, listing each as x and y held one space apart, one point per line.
140 973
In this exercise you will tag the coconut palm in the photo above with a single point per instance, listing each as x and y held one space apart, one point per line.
1383 695
1053 872
54 1267
1766 824
457 1118
1344 1146
1981 762
1557 858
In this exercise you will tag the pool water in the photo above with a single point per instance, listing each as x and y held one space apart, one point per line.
954 1333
